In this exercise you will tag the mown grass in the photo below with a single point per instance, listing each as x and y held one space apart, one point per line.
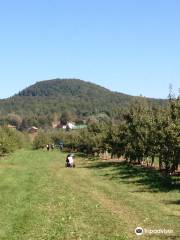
41 199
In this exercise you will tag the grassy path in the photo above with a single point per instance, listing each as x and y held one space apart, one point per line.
42 200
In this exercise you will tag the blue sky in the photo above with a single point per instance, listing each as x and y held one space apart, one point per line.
130 46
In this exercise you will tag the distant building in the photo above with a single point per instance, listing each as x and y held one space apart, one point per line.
33 129
72 126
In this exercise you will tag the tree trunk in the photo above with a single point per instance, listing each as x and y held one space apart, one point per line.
152 161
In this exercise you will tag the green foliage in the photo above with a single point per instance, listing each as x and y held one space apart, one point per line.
88 140
136 128
169 136
149 132
65 117
144 132
14 120
10 140
69 99
41 140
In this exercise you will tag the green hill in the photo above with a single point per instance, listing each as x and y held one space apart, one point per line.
40 102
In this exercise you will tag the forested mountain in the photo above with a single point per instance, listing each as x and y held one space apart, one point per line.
40 103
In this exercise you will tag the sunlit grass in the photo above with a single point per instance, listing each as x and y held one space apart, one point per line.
42 200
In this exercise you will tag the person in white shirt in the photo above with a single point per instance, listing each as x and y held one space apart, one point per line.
70 160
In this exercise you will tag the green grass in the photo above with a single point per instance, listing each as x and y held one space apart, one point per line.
42 200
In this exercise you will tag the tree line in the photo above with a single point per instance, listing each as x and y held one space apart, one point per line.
38 104
145 133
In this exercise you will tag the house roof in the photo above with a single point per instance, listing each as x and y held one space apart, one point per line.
33 127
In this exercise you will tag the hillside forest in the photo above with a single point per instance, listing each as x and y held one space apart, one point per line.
139 131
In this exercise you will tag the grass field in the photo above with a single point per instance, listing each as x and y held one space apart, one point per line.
42 200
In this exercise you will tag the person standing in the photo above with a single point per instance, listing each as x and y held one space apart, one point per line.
52 146
48 147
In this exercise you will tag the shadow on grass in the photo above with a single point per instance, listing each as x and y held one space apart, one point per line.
148 178
176 202
86 156
172 237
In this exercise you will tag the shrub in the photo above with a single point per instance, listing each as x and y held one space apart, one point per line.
41 140
10 140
